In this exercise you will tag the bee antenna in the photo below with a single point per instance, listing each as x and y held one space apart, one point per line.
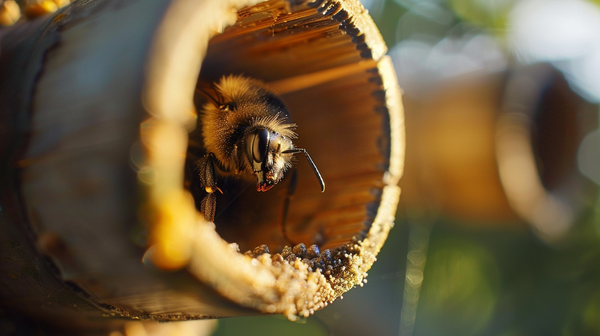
311 162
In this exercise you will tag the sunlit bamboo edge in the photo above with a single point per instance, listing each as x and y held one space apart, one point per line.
181 237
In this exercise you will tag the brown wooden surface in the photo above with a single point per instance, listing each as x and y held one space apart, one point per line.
103 104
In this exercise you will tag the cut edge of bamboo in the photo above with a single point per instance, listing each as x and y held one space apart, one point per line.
181 238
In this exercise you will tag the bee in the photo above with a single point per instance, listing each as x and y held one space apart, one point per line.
244 130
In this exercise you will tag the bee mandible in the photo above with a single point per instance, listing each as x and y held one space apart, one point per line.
245 131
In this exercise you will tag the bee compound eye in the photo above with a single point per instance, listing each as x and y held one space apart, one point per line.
260 145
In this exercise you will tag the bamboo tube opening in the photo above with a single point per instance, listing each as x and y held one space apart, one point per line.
286 45
537 138
325 60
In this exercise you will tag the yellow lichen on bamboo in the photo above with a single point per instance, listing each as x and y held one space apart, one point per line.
10 13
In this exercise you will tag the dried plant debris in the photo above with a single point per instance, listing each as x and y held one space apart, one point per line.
327 274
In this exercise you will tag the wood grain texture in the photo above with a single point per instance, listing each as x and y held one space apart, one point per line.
104 107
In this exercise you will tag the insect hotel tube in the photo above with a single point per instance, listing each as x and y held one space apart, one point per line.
500 148
97 107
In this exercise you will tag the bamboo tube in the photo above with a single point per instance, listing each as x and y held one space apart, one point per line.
500 148
98 101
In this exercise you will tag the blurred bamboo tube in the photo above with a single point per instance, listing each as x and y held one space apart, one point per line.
538 134
96 110
499 148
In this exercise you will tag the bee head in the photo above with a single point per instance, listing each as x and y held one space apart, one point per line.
242 113
270 155
265 152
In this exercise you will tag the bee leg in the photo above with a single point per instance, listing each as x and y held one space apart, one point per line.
208 207
208 181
